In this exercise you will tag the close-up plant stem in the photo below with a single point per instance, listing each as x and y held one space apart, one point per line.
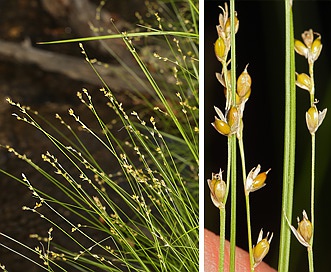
222 238
289 141
248 213
233 140
312 189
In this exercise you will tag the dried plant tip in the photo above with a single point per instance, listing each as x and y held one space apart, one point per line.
223 17
262 248
304 231
244 83
219 48
218 189
304 82
308 37
314 118
255 180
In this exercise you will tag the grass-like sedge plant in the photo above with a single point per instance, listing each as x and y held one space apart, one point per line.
136 208
230 124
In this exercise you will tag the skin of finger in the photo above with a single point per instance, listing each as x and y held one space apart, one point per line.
211 257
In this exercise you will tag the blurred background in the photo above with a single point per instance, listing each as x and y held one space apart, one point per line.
260 43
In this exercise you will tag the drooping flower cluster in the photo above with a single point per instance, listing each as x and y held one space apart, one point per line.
310 48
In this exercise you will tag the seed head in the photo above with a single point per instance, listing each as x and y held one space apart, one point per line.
262 248
304 231
228 25
244 83
314 118
233 118
305 228
301 49
218 189
229 125
304 82
221 126
255 180
316 48
219 48
310 48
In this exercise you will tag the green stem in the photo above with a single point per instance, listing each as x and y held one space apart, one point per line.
312 203
289 141
223 211
310 259
233 204
313 162
233 142
222 239
312 193
312 91
249 232
248 212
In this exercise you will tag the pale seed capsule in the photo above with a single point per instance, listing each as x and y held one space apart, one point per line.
221 126
316 48
228 26
312 119
255 180
218 189
219 48
305 228
301 49
303 81
244 83
262 248
218 192
233 118
259 181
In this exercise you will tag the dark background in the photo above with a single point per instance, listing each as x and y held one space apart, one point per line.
260 42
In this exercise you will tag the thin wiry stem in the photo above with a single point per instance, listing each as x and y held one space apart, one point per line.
248 213
233 203
223 211
310 259
233 141
222 238
313 162
312 203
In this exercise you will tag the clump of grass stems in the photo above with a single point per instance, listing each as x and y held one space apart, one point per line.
230 124
136 208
